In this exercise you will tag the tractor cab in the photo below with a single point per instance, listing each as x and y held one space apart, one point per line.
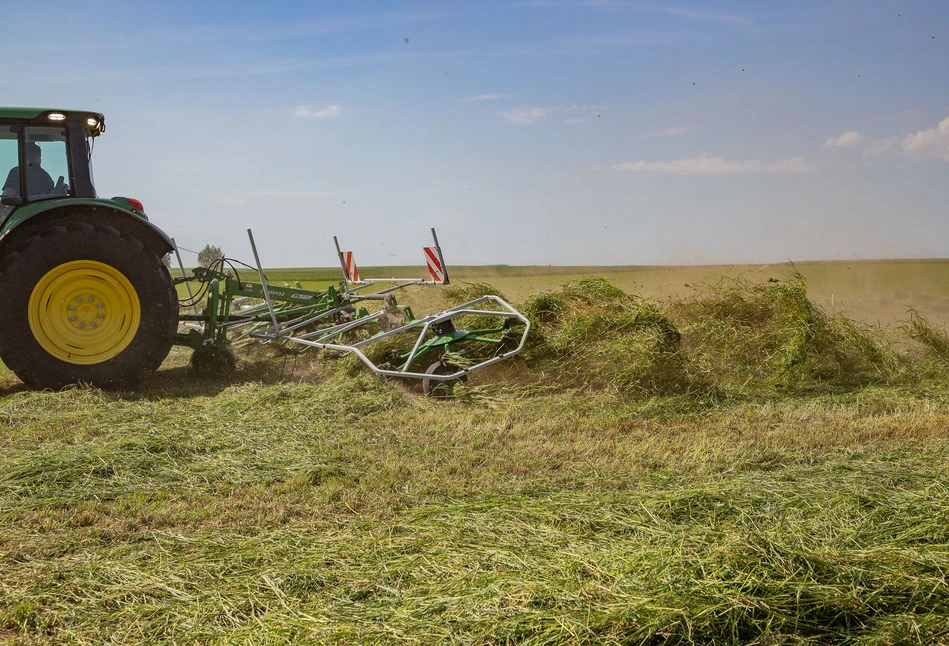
87 298
45 154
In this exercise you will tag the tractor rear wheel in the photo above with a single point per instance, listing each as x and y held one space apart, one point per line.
85 303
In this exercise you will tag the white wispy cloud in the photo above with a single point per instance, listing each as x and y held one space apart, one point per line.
483 97
230 200
931 142
573 120
864 144
668 132
595 42
688 13
524 116
705 165
539 4
307 111
236 199
307 194
702 15
849 139
878 147
568 4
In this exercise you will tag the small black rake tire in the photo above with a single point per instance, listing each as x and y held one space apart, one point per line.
441 388
134 353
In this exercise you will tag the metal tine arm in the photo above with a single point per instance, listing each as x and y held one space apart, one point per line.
181 266
336 330
342 264
292 327
483 313
306 319
418 342
374 279
375 296
441 259
263 284
360 285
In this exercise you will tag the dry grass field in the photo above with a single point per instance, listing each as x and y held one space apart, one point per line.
712 462
872 291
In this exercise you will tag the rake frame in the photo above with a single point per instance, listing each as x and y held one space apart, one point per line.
294 316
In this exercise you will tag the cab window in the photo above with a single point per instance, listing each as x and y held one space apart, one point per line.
47 163
9 162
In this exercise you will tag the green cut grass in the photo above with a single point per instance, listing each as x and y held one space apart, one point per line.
735 466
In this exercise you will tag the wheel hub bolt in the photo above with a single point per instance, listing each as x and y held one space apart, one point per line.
102 316
89 299
72 307
98 304
72 318
79 299
93 324
82 325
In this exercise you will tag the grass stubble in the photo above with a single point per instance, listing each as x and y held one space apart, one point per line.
733 467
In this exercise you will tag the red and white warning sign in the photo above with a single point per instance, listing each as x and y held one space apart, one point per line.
352 272
434 265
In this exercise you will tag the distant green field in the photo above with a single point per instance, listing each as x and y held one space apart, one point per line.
871 291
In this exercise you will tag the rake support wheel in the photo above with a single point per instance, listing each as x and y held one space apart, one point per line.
85 303
442 388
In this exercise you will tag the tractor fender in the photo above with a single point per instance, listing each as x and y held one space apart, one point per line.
80 210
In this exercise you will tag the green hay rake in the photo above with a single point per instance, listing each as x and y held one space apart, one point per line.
361 316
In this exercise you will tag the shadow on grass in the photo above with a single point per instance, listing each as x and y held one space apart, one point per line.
177 378
254 365
176 383
12 388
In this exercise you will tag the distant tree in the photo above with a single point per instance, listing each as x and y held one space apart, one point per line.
208 255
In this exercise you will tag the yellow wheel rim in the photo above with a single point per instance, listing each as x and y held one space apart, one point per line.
84 312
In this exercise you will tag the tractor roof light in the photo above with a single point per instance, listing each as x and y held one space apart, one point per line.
92 122
57 116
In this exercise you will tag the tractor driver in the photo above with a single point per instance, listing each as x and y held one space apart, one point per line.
38 181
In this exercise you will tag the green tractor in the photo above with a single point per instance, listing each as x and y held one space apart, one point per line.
87 297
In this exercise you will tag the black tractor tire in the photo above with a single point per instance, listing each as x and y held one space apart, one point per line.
29 262
441 388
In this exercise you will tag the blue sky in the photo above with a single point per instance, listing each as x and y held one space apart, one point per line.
527 132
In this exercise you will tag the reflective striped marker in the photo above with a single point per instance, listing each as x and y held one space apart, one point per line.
434 266
352 272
